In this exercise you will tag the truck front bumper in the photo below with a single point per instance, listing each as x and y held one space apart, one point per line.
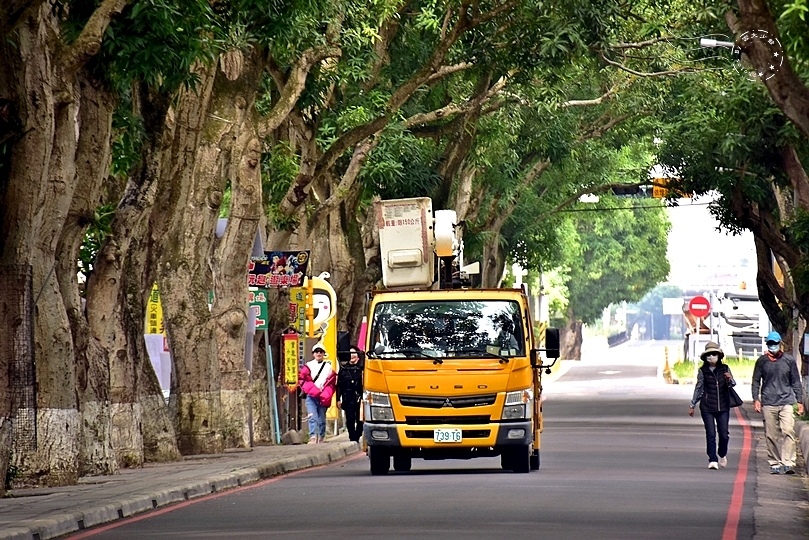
421 437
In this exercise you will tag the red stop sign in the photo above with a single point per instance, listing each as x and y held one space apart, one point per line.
699 306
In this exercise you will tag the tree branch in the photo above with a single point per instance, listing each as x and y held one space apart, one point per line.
358 159
587 102
667 73
88 43
641 44
456 108
294 85
786 89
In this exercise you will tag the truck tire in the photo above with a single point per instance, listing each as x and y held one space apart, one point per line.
380 460
401 463
520 459
505 461
535 460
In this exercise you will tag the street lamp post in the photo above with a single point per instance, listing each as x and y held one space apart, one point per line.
710 43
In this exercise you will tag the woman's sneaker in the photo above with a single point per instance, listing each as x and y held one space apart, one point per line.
788 470
713 465
723 462
775 469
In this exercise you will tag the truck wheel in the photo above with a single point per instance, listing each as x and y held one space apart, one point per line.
380 460
535 460
520 459
401 463
505 460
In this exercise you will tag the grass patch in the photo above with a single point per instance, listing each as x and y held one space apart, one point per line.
742 369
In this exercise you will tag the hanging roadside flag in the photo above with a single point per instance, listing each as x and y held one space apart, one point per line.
258 303
277 269
154 313
291 346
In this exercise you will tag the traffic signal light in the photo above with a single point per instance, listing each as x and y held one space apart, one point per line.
629 190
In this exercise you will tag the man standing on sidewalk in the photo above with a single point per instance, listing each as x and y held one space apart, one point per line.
776 388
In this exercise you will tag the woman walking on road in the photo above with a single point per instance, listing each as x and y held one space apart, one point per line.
712 391
318 381
349 392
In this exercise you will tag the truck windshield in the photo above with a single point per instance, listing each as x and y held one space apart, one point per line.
448 328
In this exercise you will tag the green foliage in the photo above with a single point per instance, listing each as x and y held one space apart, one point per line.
742 369
401 166
799 236
155 42
97 231
279 167
652 302
128 136
622 256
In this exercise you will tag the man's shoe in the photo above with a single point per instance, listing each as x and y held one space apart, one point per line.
788 470
775 469
723 462
713 465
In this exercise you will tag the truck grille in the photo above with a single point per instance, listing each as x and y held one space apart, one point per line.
439 402
428 433
438 420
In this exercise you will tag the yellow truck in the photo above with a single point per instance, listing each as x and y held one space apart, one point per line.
451 372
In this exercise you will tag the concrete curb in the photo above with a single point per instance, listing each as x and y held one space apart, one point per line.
63 524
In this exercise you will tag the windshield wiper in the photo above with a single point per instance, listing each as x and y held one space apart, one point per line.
478 352
409 353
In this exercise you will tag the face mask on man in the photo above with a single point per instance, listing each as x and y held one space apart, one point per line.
773 346
712 358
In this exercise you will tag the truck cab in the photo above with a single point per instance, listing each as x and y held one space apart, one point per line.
452 372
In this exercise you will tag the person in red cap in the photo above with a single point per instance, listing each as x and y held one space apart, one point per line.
776 388
712 391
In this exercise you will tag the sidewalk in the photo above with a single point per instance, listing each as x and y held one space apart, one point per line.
41 513
782 509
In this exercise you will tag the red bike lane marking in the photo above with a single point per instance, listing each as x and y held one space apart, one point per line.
98 529
737 497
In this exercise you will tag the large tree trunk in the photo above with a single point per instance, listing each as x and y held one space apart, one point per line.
92 364
183 213
16 364
240 161
5 451
34 208
48 92
493 262
571 338
116 307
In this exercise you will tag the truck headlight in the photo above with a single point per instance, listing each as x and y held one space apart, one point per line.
378 407
519 405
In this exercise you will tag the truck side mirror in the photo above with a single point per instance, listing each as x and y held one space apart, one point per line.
552 343
551 348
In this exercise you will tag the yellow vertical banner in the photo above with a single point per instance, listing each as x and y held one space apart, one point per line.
297 309
291 360
154 313
329 341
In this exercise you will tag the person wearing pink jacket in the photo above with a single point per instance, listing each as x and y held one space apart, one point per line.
317 381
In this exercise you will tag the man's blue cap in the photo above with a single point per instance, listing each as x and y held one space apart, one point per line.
773 336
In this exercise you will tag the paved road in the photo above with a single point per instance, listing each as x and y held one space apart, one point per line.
620 459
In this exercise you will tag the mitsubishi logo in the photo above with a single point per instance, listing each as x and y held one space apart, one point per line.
447 403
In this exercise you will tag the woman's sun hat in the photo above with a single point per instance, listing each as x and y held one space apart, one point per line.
712 348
